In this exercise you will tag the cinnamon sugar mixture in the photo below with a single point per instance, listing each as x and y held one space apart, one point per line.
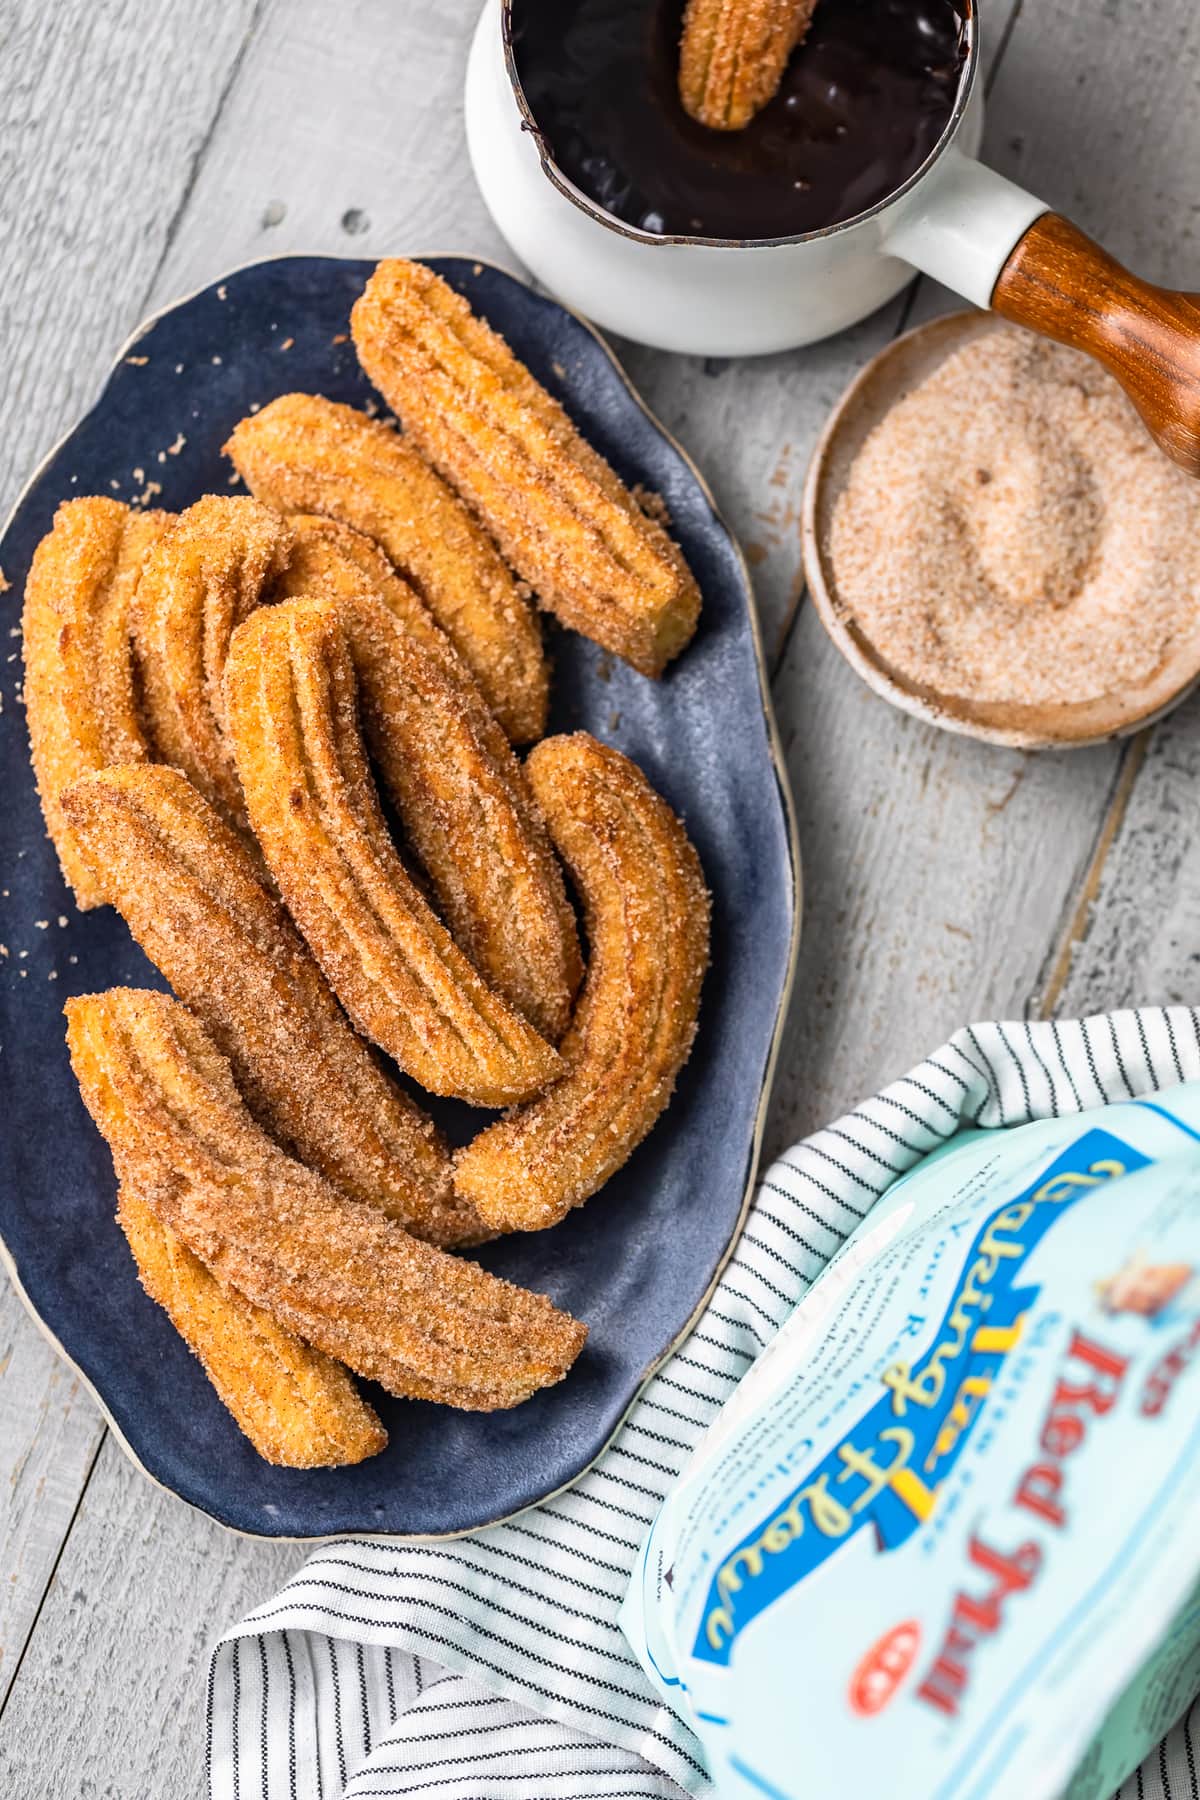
1009 532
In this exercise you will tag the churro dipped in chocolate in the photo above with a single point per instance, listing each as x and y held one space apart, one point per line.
299 1408
207 573
338 1274
732 56
292 703
566 523
302 453
194 899
647 913
468 815
79 689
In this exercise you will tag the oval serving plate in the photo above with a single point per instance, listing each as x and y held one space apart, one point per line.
638 1262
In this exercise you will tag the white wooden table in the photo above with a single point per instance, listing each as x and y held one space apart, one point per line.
148 145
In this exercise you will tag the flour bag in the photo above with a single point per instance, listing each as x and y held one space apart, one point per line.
943 1542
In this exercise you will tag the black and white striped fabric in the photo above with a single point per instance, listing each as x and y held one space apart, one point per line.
491 1667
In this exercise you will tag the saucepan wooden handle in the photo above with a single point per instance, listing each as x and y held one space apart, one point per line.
1057 281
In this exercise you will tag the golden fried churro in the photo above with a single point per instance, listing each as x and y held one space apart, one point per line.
299 1409
565 522
450 773
207 573
646 911
192 897
468 814
732 56
79 693
302 453
291 698
340 1275
329 558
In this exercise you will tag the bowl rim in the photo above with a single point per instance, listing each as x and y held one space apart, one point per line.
1066 727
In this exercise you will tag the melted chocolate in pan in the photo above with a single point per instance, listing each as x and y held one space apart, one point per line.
862 104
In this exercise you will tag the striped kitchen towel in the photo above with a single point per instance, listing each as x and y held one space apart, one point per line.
491 1667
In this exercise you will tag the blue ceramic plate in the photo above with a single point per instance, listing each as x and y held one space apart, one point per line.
637 1262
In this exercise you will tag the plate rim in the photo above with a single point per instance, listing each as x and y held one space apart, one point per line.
783 1006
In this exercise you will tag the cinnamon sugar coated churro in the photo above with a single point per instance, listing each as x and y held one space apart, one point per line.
213 698
732 56
292 705
468 815
647 916
338 1274
299 1408
302 453
206 574
79 691
328 558
194 900
563 519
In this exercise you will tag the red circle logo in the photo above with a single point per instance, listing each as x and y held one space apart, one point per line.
883 1668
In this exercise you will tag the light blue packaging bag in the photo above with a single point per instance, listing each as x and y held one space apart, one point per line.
943 1542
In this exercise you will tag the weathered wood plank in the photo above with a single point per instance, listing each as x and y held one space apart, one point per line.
1136 939
103 111
49 1434
343 136
110 1697
1132 114
935 866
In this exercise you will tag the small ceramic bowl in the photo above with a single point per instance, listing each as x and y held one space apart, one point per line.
906 362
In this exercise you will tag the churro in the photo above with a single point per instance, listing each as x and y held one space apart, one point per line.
565 522
292 705
302 453
468 815
299 1408
337 1274
329 558
79 689
207 573
647 913
193 898
732 56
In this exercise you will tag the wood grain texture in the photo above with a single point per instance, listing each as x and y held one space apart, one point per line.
1093 109
935 868
49 1434
1137 940
104 115
343 136
110 1697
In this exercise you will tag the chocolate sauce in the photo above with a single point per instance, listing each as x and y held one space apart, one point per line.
863 102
